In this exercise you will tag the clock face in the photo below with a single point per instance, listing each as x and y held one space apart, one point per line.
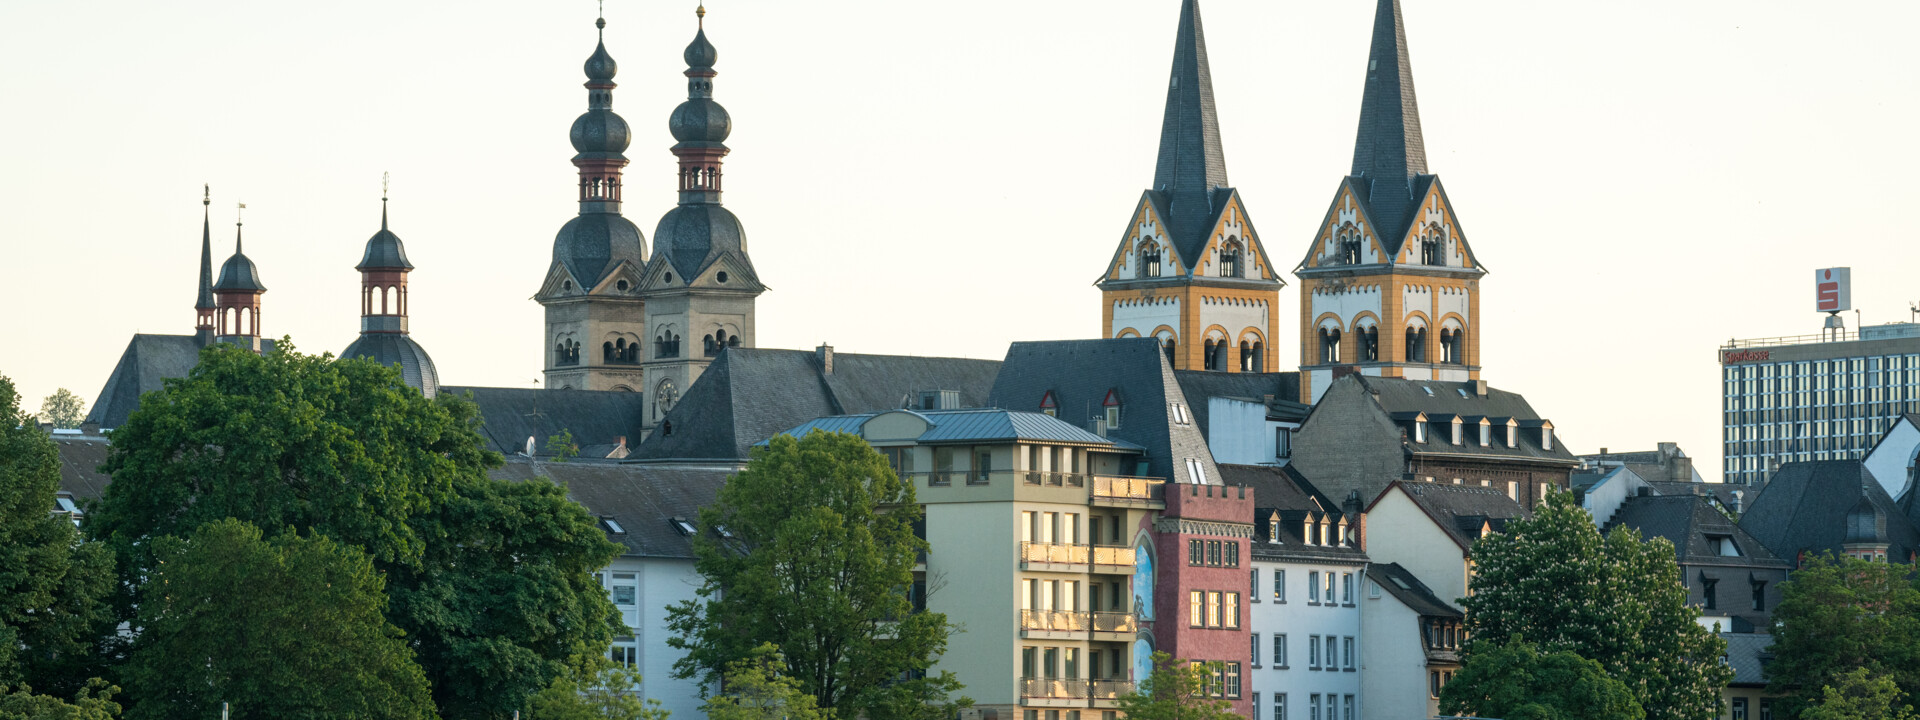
664 396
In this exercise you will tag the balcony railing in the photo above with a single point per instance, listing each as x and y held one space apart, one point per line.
1115 622
1036 552
1128 489
1053 479
1113 555
1053 688
1054 620
1109 689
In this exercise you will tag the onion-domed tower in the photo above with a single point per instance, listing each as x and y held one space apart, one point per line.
383 311
595 316
236 298
700 286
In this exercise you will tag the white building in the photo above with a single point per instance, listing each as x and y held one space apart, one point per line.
1411 647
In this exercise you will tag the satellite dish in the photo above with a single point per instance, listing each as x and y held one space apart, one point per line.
529 451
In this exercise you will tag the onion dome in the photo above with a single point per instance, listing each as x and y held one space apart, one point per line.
239 273
601 65
694 235
390 349
600 131
700 53
591 244
700 120
384 249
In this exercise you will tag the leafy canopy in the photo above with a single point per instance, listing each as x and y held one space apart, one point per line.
1618 601
811 548
1177 690
1516 681
599 689
64 409
1837 616
1860 695
756 690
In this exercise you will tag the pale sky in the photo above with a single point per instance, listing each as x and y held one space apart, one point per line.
1643 179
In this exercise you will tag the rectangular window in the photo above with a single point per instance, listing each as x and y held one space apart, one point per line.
1253 587
1256 650
1346 588
1349 705
1233 610
1213 553
1759 595
1739 708
1280 650
1433 684
1766 709
1279 586
1348 643
1313 707
1232 550
1333 653
1279 706
1233 680
1213 609
1196 602
1196 552
1329 588
1072 664
1313 652
623 594
1313 588
1029 662
1050 662
626 656
1282 443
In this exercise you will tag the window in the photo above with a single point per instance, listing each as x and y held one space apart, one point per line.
1213 552
1282 448
1419 431
1708 594
1313 652
1313 707
1329 346
1196 604
1313 588
1373 590
1433 683
685 528
1149 259
1329 588
1253 588
1279 706
1256 706
1213 609
623 594
1739 708
1233 680
1112 406
1766 709
1196 472
1230 265
1196 552
1759 595
1256 650
1232 550
1280 586
1349 706
1348 643
1233 610
1346 588
1280 650
1333 653
623 655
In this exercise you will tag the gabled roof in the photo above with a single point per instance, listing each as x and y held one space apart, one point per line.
1191 164
967 426
80 459
1200 386
144 367
749 394
1747 654
1461 510
594 417
1080 374
1434 398
1406 588
642 500
1283 491
1689 522
1804 508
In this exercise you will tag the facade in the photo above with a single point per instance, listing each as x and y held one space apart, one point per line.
1428 528
384 336
1044 549
1802 399
1411 646
1247 418
1894 458
1200 612
1731 577
1190 271
1746 698
1309 569
1389 287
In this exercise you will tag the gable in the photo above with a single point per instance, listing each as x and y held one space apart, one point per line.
1232 225
1346 219
559 283
1433 219
625 272
1145 225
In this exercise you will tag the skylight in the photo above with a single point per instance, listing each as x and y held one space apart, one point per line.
613 526
1462 391
1428 389
685 528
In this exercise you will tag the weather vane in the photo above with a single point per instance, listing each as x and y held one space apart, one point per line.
238 213
384 176
206 199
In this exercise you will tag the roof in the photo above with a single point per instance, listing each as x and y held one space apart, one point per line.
1191 163
384 249
1724 493
398 349
1688 521
1747 654
594 417
1462 510
80 459
238 274
592 244
642 500
1389 152
1804 508
693 236
1200 386
1081 373
144 367
1406 588
968 426
750 394
1432 397
1282 490
205 299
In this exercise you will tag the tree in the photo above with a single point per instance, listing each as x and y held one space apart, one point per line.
812 548
1516 681
1837 616
287 628
1616 600
599 689
53 587
94 702
491 581
64 409
1861 695
757 690
1177 690
563 446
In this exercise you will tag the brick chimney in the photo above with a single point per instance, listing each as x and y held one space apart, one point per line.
824 354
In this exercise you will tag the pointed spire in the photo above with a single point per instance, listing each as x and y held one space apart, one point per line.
383 199
205 302
238 221
1191 163
1389 148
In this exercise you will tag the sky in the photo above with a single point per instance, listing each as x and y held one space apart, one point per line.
1644 179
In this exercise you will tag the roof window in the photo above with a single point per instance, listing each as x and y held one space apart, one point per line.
613 526
1047 404
1428 389
1180 416
1462 391
681 524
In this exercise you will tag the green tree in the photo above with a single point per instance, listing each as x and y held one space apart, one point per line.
1554 580
1861 695
1516 681
64 409
1177 690
491 581
1837 616
287 628
598 689
812 548
756 689
53 587
562 445
94 702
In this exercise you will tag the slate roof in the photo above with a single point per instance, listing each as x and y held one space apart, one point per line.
641 499
1282 490
1389 152
1080 374
1191 164
384 250
80 459
1406 588
1721 492
595 417
749 394
1747 654
592 244
389 349
204 301
1687 521
692 237
968 426
144 367
1804 507
1462 510
1200 386
1396 396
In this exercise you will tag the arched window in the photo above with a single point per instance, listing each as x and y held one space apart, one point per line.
1369 338
1329 346
1231 261
1246 356
733 341
606 352
709 347
1416 343
1453 346
1169 346
1149 258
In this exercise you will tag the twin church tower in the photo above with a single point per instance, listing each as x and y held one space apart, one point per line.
617 317
1388 287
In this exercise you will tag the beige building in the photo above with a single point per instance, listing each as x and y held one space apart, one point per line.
1039 553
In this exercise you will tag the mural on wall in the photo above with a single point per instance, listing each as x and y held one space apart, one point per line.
1143 582
1142 659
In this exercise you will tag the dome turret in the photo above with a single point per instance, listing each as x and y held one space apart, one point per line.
700 120
700 53
600 66
239 274
384 249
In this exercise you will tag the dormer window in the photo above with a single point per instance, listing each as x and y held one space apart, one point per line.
1546 437
1112 406
1419 432
1306 532
1723 545
1454 427
1486 434
1048 406
1273 529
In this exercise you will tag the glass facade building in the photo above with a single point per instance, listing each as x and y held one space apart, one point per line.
1813 397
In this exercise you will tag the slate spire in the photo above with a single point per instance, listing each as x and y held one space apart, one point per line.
1191 163
206 253
1389 147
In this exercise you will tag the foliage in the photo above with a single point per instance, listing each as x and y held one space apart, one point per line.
64 409
1861 695
756 689
53 588
598 689
812 548
563 446
287 628
1617 601
1836 616
93 702
491 581
1176 690
1518 682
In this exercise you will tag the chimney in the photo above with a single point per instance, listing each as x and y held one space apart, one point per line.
90 427
1480 388
1681 469
1603 451
1668 450
1355 510
1100 426
825 355
1735 505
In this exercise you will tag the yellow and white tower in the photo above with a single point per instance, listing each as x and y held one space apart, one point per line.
1190 270
1390 287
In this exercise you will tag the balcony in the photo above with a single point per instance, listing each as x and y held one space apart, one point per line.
1054 556
1113 559
1106 693
1052 689
1057 624
1118 623
1053 479
1118 491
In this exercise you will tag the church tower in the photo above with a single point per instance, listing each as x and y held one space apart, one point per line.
1190 270
595 316
384 336
1389 287
203 308
236 298
700 287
